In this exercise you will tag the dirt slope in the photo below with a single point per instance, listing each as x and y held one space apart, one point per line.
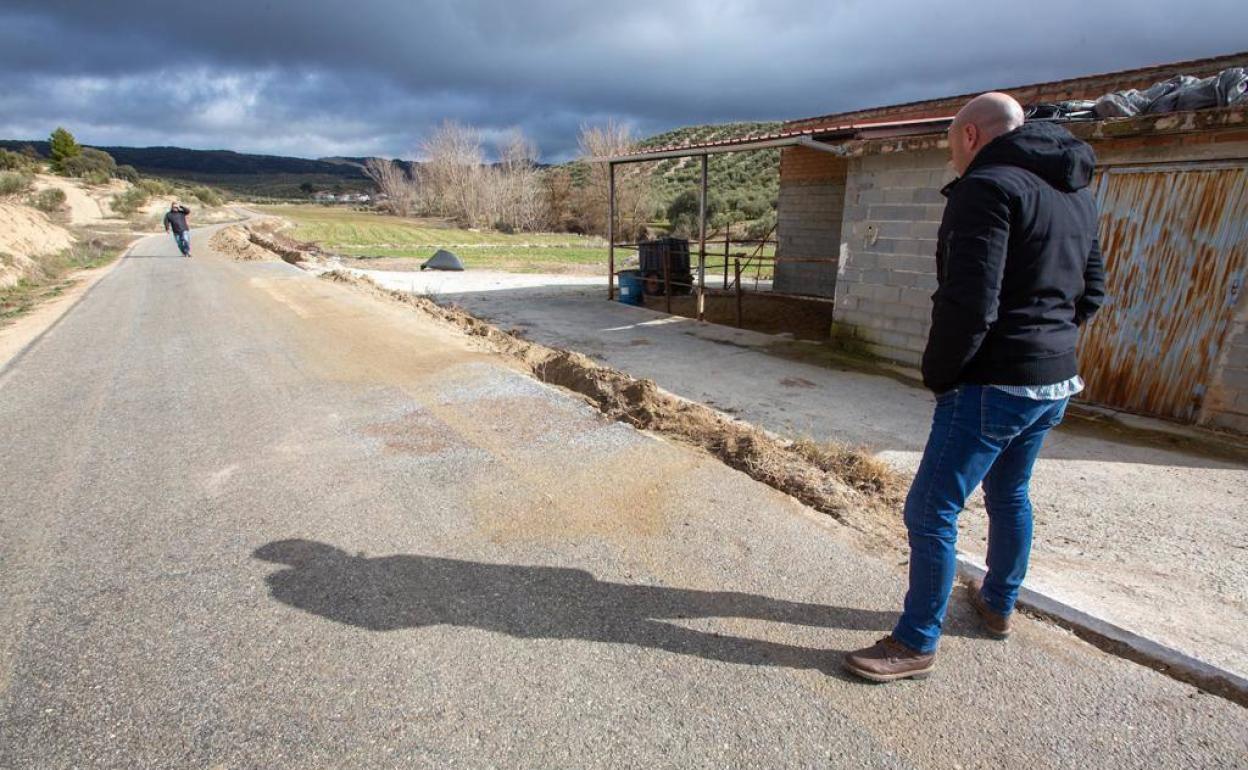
26 233
86 205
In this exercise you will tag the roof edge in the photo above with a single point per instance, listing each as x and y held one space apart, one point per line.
1125 78
1107 130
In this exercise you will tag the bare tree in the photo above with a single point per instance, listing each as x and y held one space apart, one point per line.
459 183
632 182
519 203
400 187
558 191
454 173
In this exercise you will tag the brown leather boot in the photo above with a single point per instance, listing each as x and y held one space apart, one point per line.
889 659
995 624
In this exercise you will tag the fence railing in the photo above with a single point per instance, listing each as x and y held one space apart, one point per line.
736 264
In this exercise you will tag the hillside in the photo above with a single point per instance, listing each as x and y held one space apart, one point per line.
240 173
731 175
743 185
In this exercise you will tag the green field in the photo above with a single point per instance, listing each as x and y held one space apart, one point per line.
366 235
397 243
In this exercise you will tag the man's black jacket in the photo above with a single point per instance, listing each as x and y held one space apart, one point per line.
176 219
1018 264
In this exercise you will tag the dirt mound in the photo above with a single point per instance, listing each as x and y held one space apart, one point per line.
248 242
234 243
286 248
25 235
846 483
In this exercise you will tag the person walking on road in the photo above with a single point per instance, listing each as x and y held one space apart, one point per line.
1019 270
175 220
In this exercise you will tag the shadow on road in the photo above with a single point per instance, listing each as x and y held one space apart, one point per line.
410 591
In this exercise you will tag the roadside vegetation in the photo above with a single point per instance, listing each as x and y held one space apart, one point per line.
15 182
49 200
50 275
97 168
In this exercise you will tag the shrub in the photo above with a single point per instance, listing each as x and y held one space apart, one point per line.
96 177
761 226
90 164
682 213
15 182
753 207
49 200
128 173
130 201
15 161
208 196
155 186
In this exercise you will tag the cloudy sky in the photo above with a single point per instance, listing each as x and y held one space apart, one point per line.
361 77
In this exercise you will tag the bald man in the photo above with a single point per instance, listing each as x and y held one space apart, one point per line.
1019 271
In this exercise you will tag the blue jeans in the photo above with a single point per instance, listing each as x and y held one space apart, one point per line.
979 433
184 241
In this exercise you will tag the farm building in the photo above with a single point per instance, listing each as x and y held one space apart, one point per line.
860 204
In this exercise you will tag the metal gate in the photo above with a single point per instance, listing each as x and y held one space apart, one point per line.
1175 241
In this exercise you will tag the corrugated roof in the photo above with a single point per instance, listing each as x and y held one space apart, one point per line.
849 130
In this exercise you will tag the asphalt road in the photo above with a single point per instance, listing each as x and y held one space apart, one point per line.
249 518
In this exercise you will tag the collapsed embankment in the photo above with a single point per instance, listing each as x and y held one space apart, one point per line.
846 483
261 241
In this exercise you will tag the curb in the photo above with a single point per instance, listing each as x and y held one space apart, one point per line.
1119 641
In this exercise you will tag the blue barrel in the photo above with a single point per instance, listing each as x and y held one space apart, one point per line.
631 286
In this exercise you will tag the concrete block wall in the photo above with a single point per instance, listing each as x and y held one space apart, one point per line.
808 226
887 271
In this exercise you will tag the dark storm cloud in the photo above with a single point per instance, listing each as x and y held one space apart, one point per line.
329 77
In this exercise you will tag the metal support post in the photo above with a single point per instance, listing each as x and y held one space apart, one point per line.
610 230
702 245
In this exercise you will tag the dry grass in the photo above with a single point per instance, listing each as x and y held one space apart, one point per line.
856 465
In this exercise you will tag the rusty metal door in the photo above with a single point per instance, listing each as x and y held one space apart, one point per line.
1175 240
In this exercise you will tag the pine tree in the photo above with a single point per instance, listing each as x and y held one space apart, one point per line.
63 147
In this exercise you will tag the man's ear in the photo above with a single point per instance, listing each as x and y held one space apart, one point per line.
973 135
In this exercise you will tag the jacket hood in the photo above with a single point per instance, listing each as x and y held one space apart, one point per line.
1045 149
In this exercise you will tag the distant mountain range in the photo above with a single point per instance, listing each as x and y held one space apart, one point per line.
287 177
160 160
239 172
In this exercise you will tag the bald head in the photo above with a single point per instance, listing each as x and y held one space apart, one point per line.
983 119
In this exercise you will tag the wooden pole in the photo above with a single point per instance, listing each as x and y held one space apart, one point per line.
726 261
610 230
